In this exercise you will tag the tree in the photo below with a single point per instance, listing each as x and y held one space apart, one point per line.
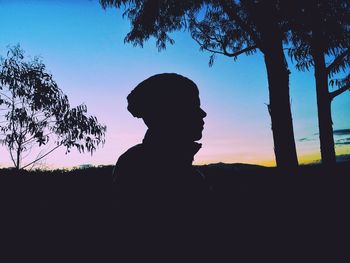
320 32
229 28
34 110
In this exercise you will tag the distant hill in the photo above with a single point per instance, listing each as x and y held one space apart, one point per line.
343 164
234 166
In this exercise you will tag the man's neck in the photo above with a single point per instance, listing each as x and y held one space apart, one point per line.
171 147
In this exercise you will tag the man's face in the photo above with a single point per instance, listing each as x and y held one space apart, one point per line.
187 121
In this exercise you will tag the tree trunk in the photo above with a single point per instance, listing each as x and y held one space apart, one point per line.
18 158
281 116
324 110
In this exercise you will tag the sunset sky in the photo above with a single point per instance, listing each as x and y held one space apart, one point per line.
83 47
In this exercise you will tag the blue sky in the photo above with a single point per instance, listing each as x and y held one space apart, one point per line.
83 47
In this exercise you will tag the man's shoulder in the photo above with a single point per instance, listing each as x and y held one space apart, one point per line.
130 161
132 154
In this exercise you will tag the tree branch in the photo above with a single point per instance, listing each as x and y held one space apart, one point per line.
339 91
3 94
42 156
224 52
35 163
28 151
244 50
213 38
33 137
223 46
337 61
12 158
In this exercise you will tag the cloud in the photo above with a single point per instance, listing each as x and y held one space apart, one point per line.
338 132
304 139
342 143
307 139
342 132
345 141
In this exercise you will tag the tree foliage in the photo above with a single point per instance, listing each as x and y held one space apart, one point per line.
330 19
207 22
34 111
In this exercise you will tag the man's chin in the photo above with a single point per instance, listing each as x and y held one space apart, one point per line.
198 137
188 137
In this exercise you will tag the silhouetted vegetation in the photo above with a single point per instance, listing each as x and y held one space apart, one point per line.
34 110
258 214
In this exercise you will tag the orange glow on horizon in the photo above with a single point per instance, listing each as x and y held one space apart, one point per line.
304 159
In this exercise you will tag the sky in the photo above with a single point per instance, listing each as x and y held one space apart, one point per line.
83 47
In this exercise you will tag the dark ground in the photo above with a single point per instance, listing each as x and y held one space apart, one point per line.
259 214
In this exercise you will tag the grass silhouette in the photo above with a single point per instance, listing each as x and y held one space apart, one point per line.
257 213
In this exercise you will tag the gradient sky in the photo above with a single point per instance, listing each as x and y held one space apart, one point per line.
82 46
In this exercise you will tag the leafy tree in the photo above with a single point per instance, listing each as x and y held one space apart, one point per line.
320 32
230 28
34 110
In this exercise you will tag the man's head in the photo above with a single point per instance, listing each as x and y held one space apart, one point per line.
169 104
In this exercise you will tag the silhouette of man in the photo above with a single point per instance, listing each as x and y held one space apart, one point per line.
161 199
